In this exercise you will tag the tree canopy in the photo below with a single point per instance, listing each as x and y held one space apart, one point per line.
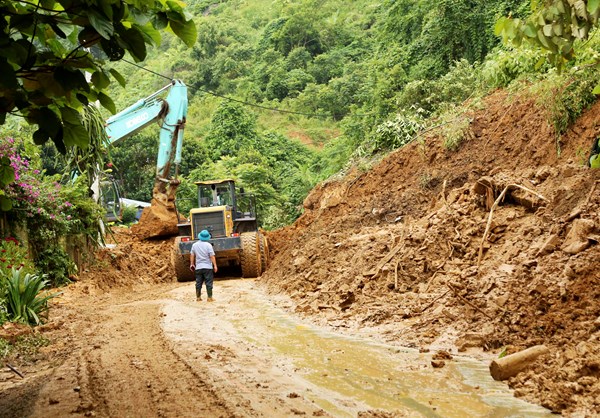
48 46
554 26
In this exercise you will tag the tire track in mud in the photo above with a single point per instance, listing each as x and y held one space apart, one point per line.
133 371
123 366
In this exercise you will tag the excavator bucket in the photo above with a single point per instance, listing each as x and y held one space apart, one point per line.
160 218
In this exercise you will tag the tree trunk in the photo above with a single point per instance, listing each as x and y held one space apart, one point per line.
508 366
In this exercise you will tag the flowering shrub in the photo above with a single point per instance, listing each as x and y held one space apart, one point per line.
48 210
34 200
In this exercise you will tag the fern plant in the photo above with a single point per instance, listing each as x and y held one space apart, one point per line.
25 302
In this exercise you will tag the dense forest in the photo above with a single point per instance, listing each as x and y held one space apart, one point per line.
285 94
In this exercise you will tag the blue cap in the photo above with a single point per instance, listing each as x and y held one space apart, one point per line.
204 235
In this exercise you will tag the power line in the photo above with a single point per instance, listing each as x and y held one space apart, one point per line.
231 99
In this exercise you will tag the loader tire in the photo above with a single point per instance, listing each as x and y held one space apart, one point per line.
264 252
181 263
250 255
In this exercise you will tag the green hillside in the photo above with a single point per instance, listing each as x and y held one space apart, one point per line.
345 81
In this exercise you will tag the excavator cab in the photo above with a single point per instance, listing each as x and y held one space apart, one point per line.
110 200
229 215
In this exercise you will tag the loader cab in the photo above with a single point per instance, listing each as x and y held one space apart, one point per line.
222 209
216 194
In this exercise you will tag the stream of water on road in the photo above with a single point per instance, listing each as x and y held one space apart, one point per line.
343 374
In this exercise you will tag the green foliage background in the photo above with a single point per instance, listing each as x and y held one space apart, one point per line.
352 80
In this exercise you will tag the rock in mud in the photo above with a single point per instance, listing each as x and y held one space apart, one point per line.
577 239
438 364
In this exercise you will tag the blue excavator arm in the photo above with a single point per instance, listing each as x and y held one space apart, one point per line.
171 112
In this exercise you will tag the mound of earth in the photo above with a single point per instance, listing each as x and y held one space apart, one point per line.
493 246
157 220
126 261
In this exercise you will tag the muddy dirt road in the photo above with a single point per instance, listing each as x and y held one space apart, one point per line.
157 352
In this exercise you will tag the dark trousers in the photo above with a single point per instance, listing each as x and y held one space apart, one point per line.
204 276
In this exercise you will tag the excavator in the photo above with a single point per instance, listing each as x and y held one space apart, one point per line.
160 218
224 210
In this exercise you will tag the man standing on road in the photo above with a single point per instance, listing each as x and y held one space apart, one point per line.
204 264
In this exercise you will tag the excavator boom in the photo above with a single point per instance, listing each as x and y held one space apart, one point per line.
159 219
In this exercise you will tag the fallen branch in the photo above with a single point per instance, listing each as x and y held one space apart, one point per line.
430 304
18 373
494 206
386 259
505 367
396 275
162 269
591 193
468 302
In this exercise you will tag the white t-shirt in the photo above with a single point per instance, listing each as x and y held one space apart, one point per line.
203 250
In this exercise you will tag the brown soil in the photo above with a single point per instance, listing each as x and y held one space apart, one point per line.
393 252
397 247
156 221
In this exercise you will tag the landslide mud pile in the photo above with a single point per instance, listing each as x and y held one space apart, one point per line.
494 246
128 261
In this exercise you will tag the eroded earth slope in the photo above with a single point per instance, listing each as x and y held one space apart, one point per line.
411 248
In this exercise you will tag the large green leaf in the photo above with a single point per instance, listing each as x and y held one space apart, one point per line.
151 35
596 89
5 203
134 43
160 21
46 119
186 31
70 115
120 79
176 6
71 79
75 135
8 77
100 80
592 6
102 25
7 173
107 103
40 137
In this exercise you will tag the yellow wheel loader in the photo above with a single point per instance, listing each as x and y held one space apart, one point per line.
229 215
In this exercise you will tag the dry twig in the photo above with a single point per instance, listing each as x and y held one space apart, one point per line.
430 304
494 206
18 373
468 302
591 193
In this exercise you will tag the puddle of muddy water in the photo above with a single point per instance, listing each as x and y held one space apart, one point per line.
344 375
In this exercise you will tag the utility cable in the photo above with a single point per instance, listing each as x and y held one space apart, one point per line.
231 99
